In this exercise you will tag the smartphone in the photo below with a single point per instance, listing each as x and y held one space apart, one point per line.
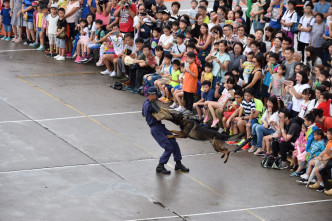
116 33
288 83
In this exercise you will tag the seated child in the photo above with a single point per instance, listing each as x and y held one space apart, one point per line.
238 97
325 103
317 146
207 95
165 73
299 153
322 159
82 28
174 80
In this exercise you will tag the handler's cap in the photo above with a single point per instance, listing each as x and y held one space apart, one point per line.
152 90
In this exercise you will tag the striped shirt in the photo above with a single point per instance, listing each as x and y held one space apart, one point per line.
248 106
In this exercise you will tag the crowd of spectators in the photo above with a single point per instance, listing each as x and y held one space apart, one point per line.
264 72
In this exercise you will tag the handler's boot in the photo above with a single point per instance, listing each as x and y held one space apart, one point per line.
161 169
180 166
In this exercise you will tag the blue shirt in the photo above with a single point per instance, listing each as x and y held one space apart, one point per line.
147 112
275 21
5 16
322 8
112 10
28 3
209 96
86 9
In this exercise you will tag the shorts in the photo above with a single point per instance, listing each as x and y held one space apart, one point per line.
61 43
71 27
8 28
178 87
28 24
264 91
52 39
37 33
169 87
301 46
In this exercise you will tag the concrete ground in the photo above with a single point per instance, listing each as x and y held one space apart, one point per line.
71 148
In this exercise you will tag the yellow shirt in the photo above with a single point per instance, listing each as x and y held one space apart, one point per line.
206 20
40 18
208 77
175 76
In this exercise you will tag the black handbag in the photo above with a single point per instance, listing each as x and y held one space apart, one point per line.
327 43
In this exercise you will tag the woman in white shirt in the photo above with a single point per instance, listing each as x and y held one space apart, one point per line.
268 126
296 91
289 18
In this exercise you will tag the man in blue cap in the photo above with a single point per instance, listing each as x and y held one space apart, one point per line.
159 133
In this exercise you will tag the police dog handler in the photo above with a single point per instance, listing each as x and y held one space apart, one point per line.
159 133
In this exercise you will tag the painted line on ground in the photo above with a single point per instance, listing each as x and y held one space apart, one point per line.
235 210
116 133
69 118
52 75
18 50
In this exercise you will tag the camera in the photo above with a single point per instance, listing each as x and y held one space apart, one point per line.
127 4
143 13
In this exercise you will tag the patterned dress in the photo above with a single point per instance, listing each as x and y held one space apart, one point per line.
17 21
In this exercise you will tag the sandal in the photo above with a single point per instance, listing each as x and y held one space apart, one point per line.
214 123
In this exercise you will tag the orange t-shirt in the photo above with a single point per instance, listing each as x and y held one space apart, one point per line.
190 82
329 147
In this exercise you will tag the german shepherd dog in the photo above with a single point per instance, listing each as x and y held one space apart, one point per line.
190 128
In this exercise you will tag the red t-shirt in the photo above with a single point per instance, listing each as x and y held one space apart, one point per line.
126 22
326 125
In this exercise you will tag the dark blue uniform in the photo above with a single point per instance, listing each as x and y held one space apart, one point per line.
159 133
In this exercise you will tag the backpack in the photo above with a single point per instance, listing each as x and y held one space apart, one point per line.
147 33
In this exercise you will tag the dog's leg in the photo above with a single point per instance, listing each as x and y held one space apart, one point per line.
227 155
178 134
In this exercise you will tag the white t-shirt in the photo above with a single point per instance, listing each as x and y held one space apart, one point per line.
306 107
297 103
52 24
117 44
306 22
224 96
70 7
164 40
178 49
289 17
273 118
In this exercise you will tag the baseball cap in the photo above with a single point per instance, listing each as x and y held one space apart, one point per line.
54 5
152 90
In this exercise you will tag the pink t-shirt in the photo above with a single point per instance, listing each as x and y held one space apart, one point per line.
71 6
102 17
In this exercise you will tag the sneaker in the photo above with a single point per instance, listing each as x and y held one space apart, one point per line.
8 39
134 91
129 88
246 147
314 186
174 105
4 38
252 149
55 57
18 40
41 48
49 55
302 181
100 63
166 101
88 59
68 55
328 192
295 174
304 176
113 74
320 189
162 99
180 109
106 72
33 44
78 60
187 112
61 58
232 142
14 39
241 142
283 165
83 60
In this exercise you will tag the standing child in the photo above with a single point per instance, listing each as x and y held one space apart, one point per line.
247 66
41 24
52 21
174 81
61 36
269 71
207 73
277 86
5 19
190 82
193 11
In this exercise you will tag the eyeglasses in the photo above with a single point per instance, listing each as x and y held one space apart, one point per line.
284 43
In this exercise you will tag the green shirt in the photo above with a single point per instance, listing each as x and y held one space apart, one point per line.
175 76
102 34
259 107
249 4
